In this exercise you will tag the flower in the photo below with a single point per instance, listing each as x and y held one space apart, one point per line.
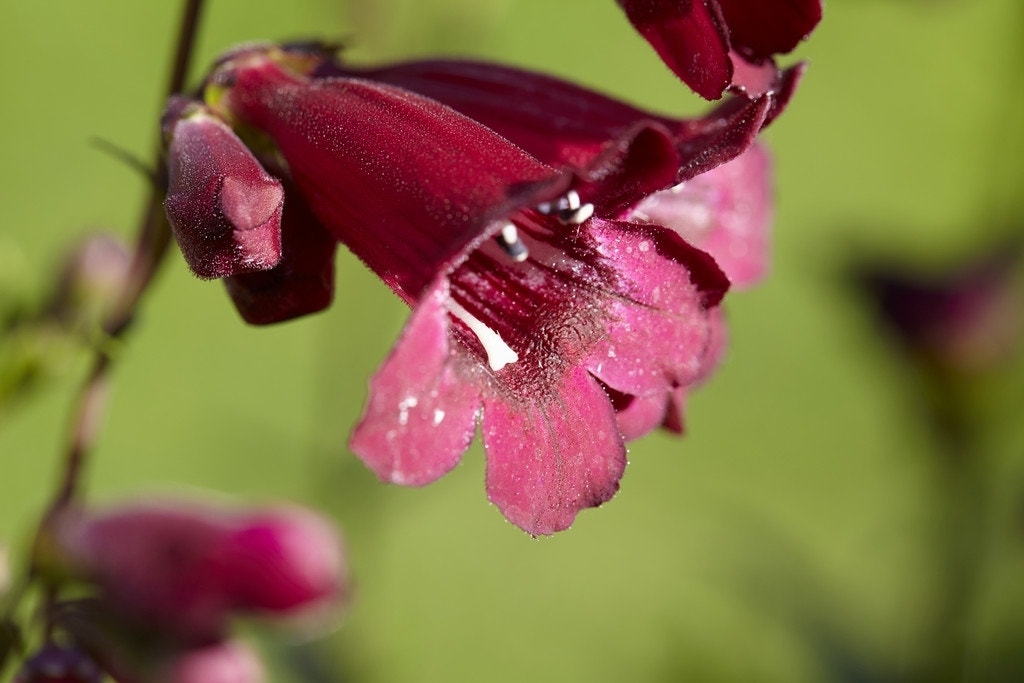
538 310
157 583
963 320
713 45
188 568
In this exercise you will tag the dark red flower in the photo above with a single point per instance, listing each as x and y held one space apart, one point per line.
716 44
964 319
225 210
531 299
561 123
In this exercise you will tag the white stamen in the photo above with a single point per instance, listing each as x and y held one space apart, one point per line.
499 354
568 208
572 200
581 214
511 244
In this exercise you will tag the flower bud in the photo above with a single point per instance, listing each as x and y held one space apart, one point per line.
283 560
224 208
185 569
91 280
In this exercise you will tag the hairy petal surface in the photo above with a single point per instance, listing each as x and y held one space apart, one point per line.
423 402
224 209
659 334
376 160
690 37
562 123
762 28
552 456
638 415
301 283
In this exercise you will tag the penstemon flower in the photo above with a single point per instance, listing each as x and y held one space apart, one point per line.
546 307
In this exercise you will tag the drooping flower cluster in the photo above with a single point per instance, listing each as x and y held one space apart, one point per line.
158 583
517 214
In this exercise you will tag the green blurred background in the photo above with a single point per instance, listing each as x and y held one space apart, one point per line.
790 536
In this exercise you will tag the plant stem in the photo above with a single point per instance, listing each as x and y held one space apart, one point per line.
154 237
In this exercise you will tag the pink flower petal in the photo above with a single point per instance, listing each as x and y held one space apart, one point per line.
660 331
423 403
726 212
283 560
675 410
549 458
638 415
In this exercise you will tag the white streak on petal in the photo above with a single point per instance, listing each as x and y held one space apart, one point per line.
499 354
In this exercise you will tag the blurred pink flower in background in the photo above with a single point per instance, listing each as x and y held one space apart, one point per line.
159 583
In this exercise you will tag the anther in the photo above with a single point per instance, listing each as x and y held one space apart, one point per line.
509 241
577 215
568 209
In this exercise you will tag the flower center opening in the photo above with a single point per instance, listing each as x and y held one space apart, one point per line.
528 293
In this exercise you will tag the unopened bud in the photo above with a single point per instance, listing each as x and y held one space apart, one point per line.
224 208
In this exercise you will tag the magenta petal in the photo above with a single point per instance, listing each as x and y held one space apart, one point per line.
723 135
421 413
153 562
641 161
548 457
225 210
762 28
690 37
638 415
659 333
753 79
675 410
283 560
726 212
